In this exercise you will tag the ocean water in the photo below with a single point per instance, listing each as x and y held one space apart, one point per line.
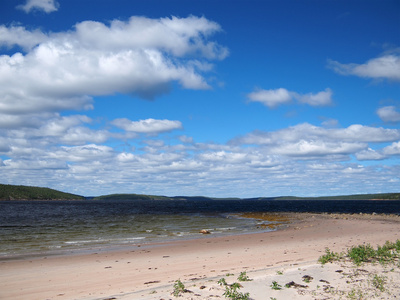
51 227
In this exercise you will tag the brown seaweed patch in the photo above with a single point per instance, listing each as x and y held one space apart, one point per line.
273 220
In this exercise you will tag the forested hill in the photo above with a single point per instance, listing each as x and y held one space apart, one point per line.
21 192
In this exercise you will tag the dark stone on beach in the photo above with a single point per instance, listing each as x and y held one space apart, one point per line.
149 282
296 285
325 281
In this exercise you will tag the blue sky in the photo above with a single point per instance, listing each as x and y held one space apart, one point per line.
213 98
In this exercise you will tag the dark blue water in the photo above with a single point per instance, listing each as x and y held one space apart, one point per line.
42 226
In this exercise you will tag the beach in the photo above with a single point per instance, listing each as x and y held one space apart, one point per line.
149 271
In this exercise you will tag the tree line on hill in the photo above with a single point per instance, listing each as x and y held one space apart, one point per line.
21 192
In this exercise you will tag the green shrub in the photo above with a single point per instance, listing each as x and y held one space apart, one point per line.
233 293
329 256
243 277
222 281
276 286
179 288
361 253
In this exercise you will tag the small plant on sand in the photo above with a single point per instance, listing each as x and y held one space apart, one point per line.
361 253
276 286
222 282
379 282
179 288
355 294
243 277
279 272
388 252
329 256
232 292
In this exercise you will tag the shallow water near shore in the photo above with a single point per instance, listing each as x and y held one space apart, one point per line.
40 227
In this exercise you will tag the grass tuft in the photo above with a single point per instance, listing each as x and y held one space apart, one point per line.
329 256
179 288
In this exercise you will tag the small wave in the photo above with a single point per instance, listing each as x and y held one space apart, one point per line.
55 247
225 228
134 238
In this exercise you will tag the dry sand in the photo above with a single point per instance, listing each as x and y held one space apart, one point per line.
149 271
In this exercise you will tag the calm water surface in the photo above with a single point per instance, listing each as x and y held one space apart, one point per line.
40 227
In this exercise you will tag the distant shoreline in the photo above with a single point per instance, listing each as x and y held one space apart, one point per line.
31 193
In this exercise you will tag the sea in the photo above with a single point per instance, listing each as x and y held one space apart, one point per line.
29 228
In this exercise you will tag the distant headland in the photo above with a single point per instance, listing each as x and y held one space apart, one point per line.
21 192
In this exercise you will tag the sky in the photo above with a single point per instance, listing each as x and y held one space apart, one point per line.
217 98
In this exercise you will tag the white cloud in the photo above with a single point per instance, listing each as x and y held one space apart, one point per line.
274 98
60 125
388 114
292 154
369 154
354 133
47 6
322 98
149 126
34 164
393 149
271 98
141 56
361 133
178 36
86 153
314 148
386 67
186 139
18 35
306 142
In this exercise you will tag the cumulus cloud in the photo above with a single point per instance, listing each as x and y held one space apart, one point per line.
306 131
369 154
384 67
388 114
314 148
393 149
306 140
273 98
85 153
18 35
47 6
149 126
140 56
274 160
322 98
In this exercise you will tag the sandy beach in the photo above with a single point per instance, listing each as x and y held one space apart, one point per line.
149 271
